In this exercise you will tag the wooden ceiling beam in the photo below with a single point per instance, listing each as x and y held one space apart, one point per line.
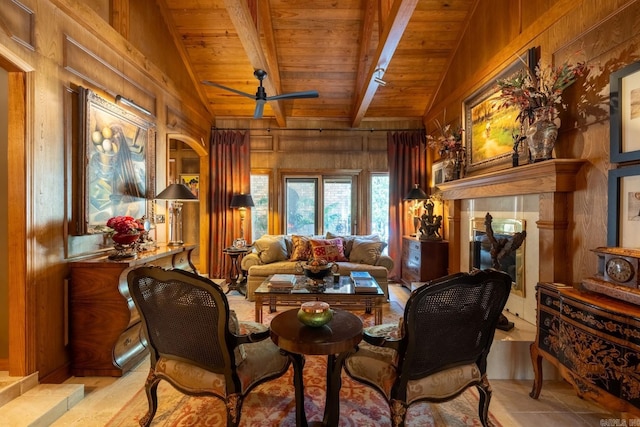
242 19
398 19
365 43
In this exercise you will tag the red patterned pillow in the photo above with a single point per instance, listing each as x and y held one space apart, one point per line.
301 248
329 249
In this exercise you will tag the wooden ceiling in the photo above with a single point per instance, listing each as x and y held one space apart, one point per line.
332 46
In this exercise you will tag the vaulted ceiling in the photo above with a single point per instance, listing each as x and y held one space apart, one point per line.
337 47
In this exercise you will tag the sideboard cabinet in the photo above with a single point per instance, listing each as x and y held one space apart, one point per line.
105 332
423 260
593 340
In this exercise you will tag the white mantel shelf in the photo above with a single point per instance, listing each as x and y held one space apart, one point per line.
550 176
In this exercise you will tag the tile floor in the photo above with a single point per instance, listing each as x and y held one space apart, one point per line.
557 406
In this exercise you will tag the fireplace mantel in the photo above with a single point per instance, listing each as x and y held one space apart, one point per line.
552 180
551 176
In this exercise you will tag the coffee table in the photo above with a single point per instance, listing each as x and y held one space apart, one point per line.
340 295
336 340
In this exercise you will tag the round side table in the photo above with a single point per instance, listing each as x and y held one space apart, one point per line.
336 339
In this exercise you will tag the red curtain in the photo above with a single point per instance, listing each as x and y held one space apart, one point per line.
407 156
230 174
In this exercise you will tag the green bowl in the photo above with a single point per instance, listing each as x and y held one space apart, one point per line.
315 314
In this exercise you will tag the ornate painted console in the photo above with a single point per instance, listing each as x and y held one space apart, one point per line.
105 331
593 340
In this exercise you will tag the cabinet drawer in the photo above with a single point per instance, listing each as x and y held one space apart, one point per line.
130 343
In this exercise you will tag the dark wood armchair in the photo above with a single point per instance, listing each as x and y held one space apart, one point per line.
440 347
195 341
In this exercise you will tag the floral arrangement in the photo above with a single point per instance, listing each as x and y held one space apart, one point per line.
125 225
539 92
449 141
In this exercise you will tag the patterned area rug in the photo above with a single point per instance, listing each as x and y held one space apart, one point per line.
273 404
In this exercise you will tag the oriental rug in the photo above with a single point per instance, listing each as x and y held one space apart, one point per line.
272 404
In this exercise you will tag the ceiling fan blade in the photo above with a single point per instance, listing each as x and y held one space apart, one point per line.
294 95
257 114
248 95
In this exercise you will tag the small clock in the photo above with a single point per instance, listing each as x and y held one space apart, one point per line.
619 269
617 274
619 266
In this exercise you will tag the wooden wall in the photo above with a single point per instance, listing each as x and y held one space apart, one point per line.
604 34
60 45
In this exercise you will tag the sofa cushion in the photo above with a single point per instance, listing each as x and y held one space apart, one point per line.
348 240
366 251
301 248
328 249
271 248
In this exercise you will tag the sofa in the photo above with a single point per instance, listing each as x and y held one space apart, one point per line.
280 254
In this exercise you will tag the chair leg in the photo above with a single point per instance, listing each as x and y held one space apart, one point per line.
234 406
484 389
398 412
151 388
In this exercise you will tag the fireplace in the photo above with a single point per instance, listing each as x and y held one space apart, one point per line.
479 249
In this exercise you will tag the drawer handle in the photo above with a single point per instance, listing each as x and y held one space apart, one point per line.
547 322
545 340
127 342
548 301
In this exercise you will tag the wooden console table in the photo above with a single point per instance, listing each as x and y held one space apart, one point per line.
105 331
593 340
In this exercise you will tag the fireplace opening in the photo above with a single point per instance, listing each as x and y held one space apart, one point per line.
480 249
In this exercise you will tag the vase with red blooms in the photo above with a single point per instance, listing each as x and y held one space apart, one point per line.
125 235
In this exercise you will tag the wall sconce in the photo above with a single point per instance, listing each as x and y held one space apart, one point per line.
378 77
176 193
417 195
129 103
241 202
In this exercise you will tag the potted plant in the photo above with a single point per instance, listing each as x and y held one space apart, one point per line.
538 96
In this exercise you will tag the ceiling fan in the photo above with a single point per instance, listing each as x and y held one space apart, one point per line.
261 95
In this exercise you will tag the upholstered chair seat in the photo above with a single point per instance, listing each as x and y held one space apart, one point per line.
440 346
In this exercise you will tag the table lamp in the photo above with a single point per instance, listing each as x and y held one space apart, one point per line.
241 202
417 195
176 193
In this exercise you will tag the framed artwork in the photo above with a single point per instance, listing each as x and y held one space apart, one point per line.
489 130
624 106
117 163
193 182
437 175
623 223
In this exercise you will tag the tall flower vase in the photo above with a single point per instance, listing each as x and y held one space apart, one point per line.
453 165
541 138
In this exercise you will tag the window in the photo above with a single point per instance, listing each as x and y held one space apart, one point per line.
260 212
380 205
317 205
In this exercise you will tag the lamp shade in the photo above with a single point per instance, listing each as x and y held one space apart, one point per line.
241 201
416 193
176 192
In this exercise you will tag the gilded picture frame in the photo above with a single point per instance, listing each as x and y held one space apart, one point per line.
117 163
624 107
489 129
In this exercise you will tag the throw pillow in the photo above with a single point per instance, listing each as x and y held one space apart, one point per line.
271 248
348 240
301 248
328 249
366 251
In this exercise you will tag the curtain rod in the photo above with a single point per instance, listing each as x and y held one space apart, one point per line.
323 129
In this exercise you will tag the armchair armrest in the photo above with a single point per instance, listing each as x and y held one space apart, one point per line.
385 261
386 335
251 332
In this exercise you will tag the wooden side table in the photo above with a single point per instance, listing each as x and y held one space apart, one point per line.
235 272
336 339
